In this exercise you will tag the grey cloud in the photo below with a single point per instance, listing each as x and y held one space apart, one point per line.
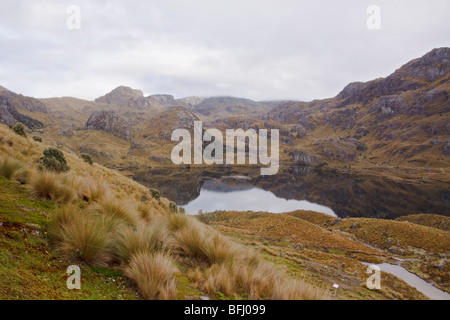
265 49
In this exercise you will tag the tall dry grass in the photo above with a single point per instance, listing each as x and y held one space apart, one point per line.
9 167
93 190
48 185
152 273
145 238
118 209
83 236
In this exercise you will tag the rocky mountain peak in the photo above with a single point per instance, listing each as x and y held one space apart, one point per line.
429 67
125 97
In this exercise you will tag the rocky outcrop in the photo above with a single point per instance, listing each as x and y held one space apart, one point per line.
162 99
345 150
125 97
11 103
111 122
5 116
302 158
19 101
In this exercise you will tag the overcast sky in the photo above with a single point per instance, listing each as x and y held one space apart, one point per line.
257 49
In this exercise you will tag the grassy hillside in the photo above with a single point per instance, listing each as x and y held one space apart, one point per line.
119 230
131 243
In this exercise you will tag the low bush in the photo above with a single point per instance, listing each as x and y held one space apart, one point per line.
19 129
54 160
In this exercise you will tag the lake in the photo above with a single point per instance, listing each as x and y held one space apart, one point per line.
293 188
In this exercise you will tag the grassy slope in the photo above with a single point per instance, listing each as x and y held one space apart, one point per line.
316 246
29 267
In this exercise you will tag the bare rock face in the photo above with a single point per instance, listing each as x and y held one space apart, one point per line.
111 122
21 102
339 149
430 67
163 99
390 105
125 97
175 118
11 103
5 116
447 149
302 158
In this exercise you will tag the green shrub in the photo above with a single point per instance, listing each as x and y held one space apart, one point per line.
361 146
36 138
155 193
54 160
19 129
87 158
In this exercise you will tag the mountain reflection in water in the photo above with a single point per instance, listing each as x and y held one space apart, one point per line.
341 193
249 200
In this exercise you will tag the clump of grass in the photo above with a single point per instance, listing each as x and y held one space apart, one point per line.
219 250
93 190
152 274
118 209
219 279
191 241
261 282
36 138
146 211
83 236
9 167
130 241
47 185
44 185
177 222
296 290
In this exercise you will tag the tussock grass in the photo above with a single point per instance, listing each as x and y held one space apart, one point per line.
84 237
9 167
44 185
220 250
191 241
48 185
146 211
178 221
118 209
93 190
219 279
296 290
152 274
147 239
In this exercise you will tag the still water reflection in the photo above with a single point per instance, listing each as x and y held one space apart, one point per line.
254 199
298 188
